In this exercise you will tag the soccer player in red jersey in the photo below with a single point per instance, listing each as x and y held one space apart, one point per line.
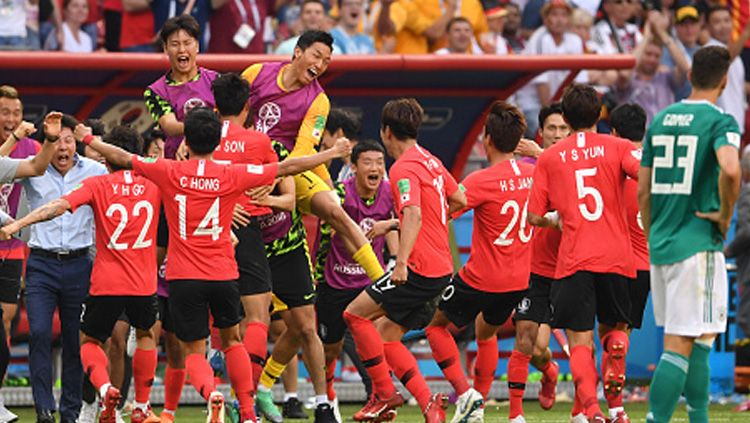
199 197
426 194
124 276
582 178
499 246
628 121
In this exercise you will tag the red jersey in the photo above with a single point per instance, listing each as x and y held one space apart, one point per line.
544 249
199 198
499 259
637 238
126 212
421 180
245 146
582 177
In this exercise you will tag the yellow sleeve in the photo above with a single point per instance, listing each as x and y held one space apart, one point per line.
313 125
252 72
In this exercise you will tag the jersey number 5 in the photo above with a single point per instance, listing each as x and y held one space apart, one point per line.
211 218
140 242
588 191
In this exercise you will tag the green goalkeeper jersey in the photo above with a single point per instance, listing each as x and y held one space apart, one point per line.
680 148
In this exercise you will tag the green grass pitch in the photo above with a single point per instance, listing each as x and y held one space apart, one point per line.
410 414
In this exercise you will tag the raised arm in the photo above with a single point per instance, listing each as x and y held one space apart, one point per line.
113 154
38 164
294 165
46 212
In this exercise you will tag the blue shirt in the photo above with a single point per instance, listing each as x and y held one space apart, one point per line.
344 43
71 231
683 91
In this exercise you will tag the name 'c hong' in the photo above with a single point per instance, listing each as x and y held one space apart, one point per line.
513 184
202 184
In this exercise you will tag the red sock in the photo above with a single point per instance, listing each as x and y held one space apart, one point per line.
200 373
518 372
144 368
256 344
547 370
445 352
585 376
370 350
485 365
174 379
330 374
240 375
577 406
405 368
95 362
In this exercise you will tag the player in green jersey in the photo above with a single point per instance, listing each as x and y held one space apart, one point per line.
688 184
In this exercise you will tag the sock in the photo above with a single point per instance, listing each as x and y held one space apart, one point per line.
255 341
174 379
289 395
445 353
200 373
547 370
271 372
94 362
321 399
577 406
366 258
485 365
370 349
518 372
405 368
667 385
330 375
240 375
697 383
583 368
144 368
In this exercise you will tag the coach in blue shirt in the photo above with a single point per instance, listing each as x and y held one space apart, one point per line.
57 276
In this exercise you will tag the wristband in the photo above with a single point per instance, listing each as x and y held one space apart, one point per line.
15 136
87 139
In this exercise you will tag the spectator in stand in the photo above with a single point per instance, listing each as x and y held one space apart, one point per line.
471 10
460 36
613 33
312 16
581 24
512 28
493 41
651 85
13 25
687 27
74 40
112 24
551 39
240 26
734 98
348 38
199 9
137 34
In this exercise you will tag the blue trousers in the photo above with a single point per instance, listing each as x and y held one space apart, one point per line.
51 284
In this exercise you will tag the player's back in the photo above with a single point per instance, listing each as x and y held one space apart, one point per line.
584 176
500 247
431 256
635 223
126 213
680 147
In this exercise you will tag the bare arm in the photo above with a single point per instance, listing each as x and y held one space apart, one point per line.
730 178
171 126
24 130
735 46
544 94
38 164
437 29
284 201
135 5
392 241
385 25
218 4
644 198
412 223
542 221
295 165
46 212
113 154
456 201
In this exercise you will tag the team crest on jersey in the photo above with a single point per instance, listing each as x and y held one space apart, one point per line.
268 116
320 124
192 104
404 189
366 224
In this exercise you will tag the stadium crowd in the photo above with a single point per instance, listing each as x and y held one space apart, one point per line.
211 200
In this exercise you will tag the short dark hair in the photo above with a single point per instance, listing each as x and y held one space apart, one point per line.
629 120
68 121
202 130
403 116
505 126
313 36
710 65
149 137
581 106
716 9
344 120
547 111
320 2
457 19
174 24
96 125
365 146
230 93
125 137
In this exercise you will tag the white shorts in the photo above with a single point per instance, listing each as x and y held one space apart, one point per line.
690 296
